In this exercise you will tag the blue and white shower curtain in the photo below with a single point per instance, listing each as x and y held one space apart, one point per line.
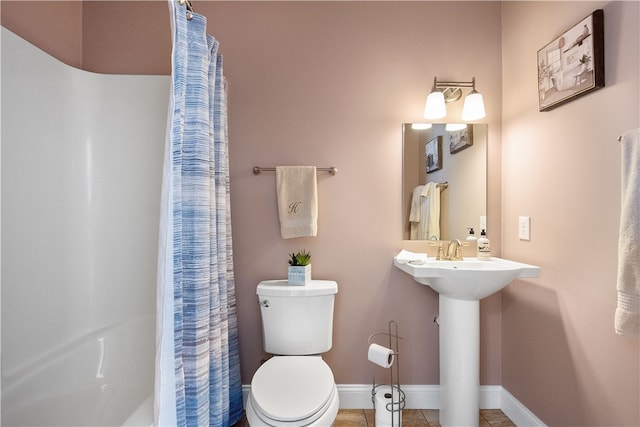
197 362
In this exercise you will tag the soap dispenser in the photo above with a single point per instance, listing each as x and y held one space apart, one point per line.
472 234
484 246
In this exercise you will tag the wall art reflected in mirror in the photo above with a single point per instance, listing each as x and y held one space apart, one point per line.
443 203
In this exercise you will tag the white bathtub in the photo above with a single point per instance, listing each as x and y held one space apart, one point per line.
80 213
142 416
97 381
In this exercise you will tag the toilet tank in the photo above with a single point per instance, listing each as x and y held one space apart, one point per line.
297 320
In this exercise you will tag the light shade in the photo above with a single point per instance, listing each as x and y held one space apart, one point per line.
421 126
434 107
473 107
450 127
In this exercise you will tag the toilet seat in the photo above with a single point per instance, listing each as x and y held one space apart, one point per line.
293 390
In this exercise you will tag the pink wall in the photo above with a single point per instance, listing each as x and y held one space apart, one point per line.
328 84
561 357
126 37
60 37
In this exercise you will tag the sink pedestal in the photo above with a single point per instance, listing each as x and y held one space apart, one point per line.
461 285
459 362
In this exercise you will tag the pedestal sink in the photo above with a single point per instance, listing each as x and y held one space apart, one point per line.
461 285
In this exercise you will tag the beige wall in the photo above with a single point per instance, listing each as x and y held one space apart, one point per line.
561 357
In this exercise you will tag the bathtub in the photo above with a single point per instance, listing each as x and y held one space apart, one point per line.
98 380
142 416
80 219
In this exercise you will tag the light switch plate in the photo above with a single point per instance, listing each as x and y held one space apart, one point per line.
524 228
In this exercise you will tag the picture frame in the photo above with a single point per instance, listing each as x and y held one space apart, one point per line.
572 65
460 139
433 152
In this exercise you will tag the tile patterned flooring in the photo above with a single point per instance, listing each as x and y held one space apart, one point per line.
417 418
410 418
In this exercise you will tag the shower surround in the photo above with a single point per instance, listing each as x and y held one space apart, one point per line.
81 177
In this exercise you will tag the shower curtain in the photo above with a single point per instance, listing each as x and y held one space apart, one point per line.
197 361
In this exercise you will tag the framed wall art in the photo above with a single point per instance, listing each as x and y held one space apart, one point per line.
433 150
460 139
572 65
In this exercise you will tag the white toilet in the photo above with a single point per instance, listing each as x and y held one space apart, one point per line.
295 387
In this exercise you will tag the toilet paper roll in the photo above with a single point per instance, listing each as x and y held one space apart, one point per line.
381 356
388 410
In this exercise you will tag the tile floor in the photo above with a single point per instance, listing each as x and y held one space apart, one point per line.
417 418
410 418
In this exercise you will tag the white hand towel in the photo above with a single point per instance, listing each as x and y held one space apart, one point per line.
404 257
432 200
425 212
297 193
415 212
627 317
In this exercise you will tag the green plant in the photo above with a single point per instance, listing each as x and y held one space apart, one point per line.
300 258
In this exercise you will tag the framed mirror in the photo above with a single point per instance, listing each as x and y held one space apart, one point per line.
460 179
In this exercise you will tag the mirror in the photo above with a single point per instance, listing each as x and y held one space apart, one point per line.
457 158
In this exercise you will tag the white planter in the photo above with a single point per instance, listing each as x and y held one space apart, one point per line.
299 275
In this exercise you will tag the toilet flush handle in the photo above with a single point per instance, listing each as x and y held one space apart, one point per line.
265 303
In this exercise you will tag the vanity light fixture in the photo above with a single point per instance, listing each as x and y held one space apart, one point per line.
447 92
421 126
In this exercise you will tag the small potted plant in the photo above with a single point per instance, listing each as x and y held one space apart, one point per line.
299 268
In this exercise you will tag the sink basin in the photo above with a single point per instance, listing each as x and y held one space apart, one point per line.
469 279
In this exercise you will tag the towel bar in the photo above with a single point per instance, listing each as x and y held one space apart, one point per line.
258 170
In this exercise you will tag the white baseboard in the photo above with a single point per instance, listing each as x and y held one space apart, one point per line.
517 412
358 396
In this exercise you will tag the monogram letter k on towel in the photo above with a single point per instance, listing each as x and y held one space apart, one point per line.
297 192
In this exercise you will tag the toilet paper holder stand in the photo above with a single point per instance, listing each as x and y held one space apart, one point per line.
397 396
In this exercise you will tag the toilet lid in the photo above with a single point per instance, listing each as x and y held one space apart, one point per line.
290 388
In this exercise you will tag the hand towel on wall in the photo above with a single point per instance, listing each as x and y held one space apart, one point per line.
297 193
627 317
